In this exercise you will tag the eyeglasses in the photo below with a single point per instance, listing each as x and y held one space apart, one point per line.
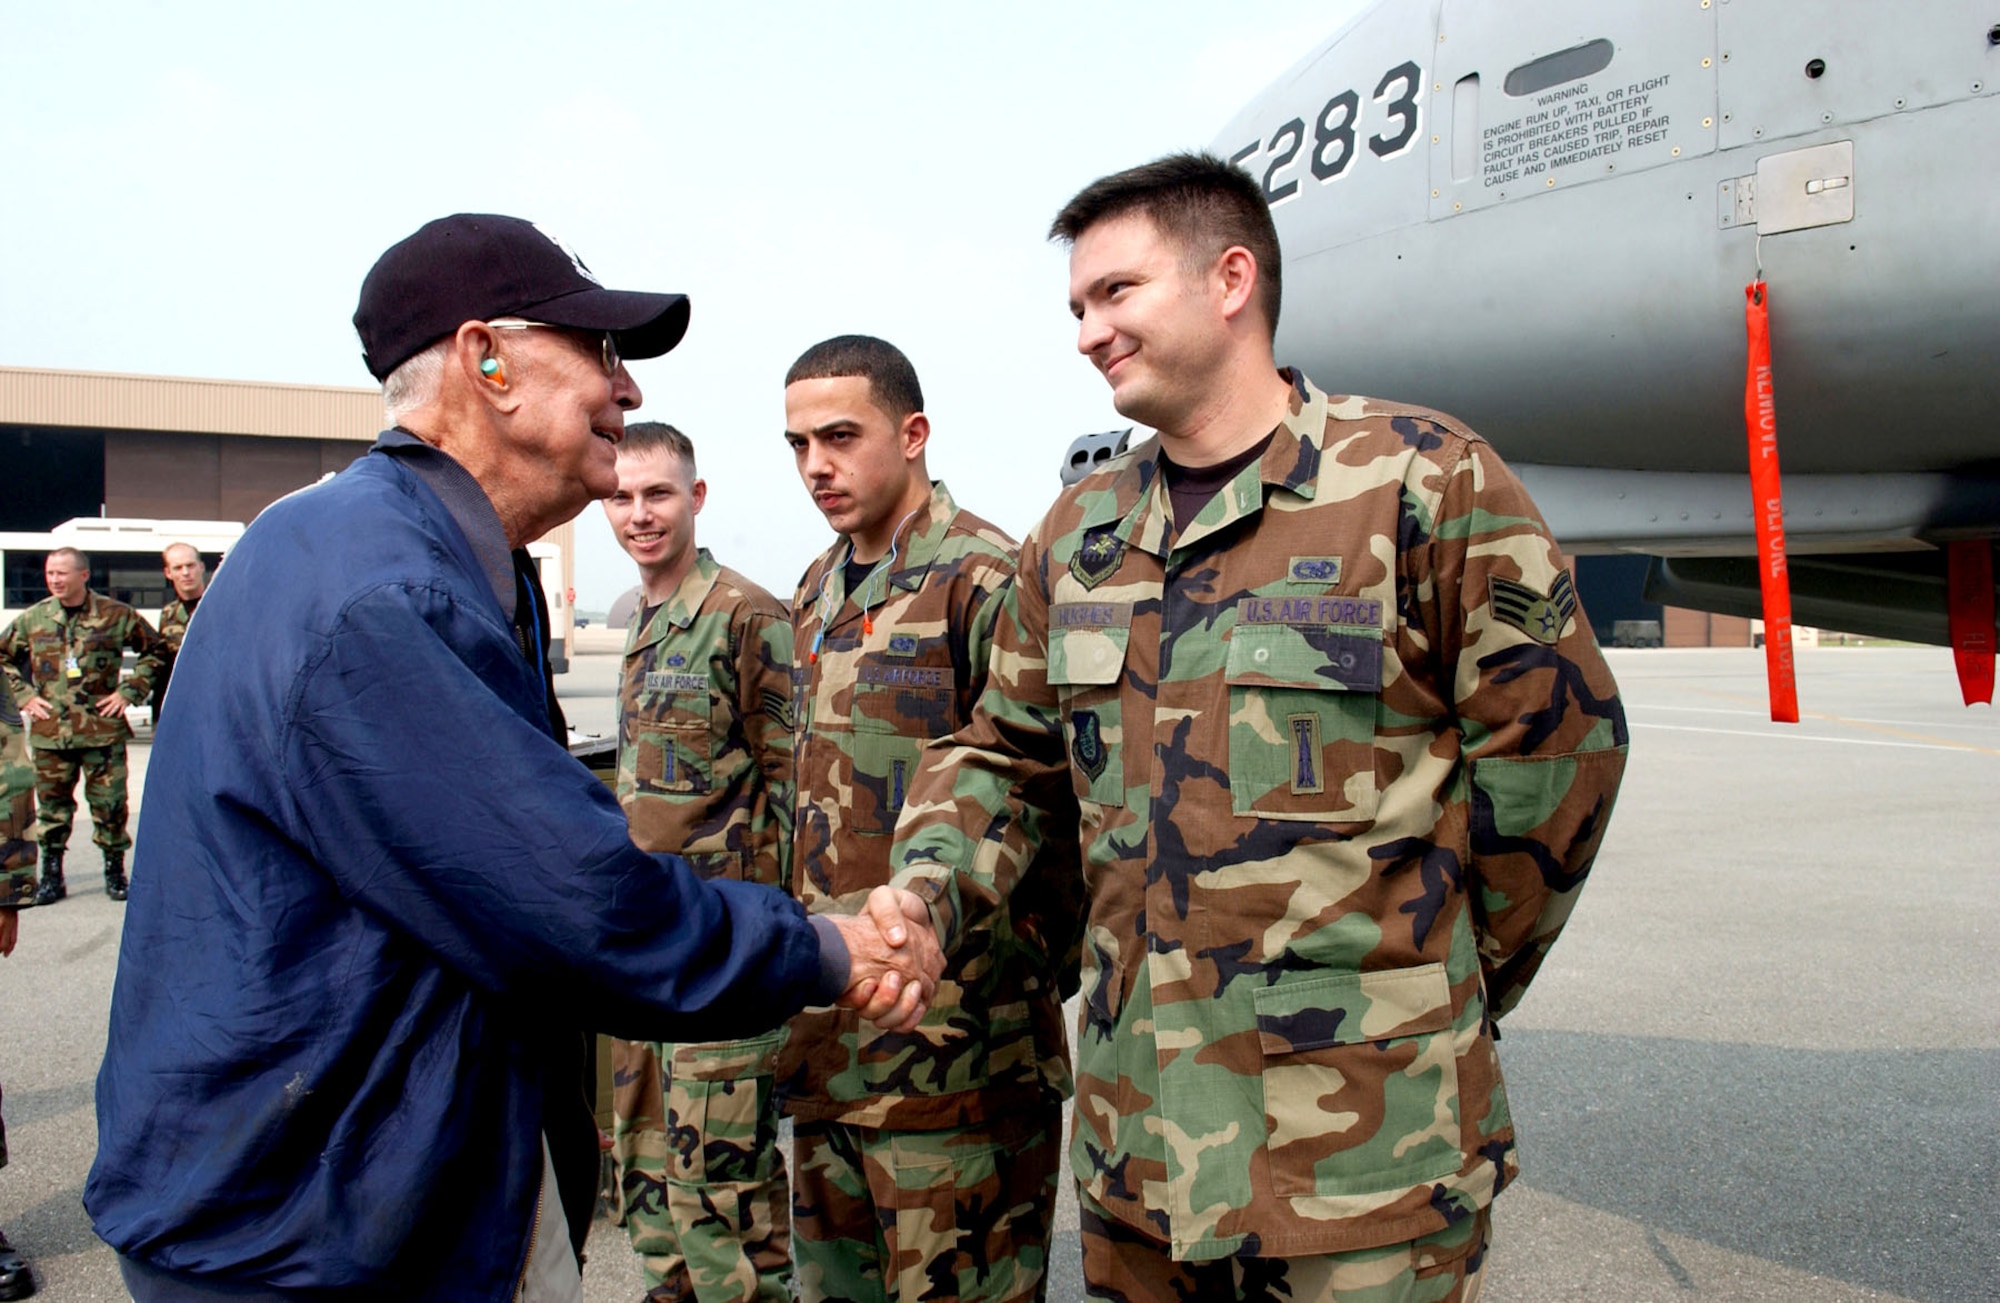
607 349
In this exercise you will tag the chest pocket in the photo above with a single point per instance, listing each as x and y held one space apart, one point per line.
1085 667
900 702
1302 712
48 651
672 734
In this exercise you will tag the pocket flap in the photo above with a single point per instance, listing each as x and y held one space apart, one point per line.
1085 657
1317 1012
1328 658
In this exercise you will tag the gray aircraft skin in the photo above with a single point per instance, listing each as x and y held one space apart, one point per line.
1541 217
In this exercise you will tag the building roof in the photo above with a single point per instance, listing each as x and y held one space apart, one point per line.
102 400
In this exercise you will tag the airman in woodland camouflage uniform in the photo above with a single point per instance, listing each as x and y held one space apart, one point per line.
17 890
704 772
1345 750
925 1164
188 573
61 658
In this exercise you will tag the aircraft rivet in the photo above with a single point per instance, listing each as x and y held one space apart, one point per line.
1706 62
1727 116
1552 180
1899 103
1677 151
1826 117
1457 207
1434 140
1434 194
1978 86
1758 132
1815 69
1708 122
1611 167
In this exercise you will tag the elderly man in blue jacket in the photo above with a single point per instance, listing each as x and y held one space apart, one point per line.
372 891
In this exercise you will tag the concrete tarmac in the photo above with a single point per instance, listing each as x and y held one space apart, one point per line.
1763 1063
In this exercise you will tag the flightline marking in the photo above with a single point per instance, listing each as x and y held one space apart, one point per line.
1765 714
1825 718
1821 737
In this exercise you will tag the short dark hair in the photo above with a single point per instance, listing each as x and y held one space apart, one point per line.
1198 201
892 381
642 437
77 557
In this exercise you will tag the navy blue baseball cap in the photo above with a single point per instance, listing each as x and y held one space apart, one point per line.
479 266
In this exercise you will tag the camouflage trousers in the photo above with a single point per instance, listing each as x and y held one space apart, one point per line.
103 770
963 1213
701 1183
1122 1264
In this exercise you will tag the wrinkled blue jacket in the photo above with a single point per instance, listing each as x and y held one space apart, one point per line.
367 882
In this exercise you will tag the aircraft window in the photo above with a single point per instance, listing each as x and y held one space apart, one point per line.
1555 69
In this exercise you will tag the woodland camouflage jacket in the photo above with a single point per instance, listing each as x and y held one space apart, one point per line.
17 810
878 674
1345 748
705 727
72 661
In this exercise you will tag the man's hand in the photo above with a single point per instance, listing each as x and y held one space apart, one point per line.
10 931
895 959
112 706
36 708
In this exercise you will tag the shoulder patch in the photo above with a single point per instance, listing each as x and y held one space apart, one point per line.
1545 617
902 644
1097 557
1088 748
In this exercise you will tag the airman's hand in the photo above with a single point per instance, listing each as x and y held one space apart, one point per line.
895 959
36 708
112 706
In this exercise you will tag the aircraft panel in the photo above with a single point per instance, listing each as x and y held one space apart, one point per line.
1794 66
1528 95
1603 325
1348 131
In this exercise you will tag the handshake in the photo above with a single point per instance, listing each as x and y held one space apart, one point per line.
894 959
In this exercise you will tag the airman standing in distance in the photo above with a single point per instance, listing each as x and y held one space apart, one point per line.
705 772
17 891
188 573
1345 749
924 1164
62 658
385 891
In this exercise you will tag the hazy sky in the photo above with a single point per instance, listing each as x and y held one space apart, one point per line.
198 189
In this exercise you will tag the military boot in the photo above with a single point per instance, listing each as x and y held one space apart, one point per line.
17 1279
52 889
114 874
